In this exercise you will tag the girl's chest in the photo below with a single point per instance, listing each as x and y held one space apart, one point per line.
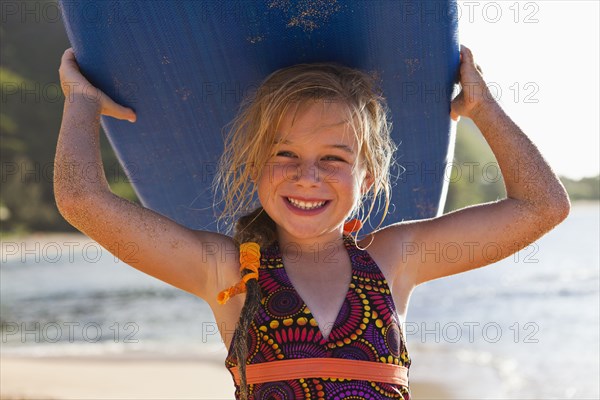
323 293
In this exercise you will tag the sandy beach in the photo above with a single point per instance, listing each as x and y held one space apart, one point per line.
130 378
106 378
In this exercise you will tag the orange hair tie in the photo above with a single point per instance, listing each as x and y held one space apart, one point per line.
352 225
250 260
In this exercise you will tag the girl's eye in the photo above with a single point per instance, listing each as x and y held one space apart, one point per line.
333 158
285 154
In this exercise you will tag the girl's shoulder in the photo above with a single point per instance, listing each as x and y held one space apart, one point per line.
388 239
389 246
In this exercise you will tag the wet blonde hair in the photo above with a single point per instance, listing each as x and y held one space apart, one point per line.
252 137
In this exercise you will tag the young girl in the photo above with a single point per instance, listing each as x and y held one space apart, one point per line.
319 313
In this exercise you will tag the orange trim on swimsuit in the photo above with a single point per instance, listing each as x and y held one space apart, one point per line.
250 260
340 368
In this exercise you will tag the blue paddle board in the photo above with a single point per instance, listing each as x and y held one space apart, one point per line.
184 67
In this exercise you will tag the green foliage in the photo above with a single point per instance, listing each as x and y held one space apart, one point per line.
10 83
583 189
476 181
8 77
475 174
30 119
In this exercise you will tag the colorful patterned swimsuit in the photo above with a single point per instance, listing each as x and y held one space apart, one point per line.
288 357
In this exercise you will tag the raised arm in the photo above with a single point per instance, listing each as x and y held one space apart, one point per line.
195 261
483 234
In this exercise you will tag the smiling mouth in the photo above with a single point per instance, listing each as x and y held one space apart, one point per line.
306 205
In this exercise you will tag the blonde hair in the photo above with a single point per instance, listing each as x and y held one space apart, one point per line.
250 143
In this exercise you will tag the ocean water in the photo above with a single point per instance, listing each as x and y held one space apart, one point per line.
533 319
526 327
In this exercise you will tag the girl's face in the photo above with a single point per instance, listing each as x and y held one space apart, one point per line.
314 177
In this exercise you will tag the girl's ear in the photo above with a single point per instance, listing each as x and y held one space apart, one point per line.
253 173
367 184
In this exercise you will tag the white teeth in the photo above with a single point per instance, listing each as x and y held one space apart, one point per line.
306 205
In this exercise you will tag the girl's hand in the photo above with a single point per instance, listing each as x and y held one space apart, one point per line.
75 85
474 93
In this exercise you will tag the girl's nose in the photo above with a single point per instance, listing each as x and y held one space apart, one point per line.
306 174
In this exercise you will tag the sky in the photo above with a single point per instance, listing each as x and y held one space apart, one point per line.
541 58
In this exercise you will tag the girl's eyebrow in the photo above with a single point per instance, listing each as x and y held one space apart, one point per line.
340 146
343 147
